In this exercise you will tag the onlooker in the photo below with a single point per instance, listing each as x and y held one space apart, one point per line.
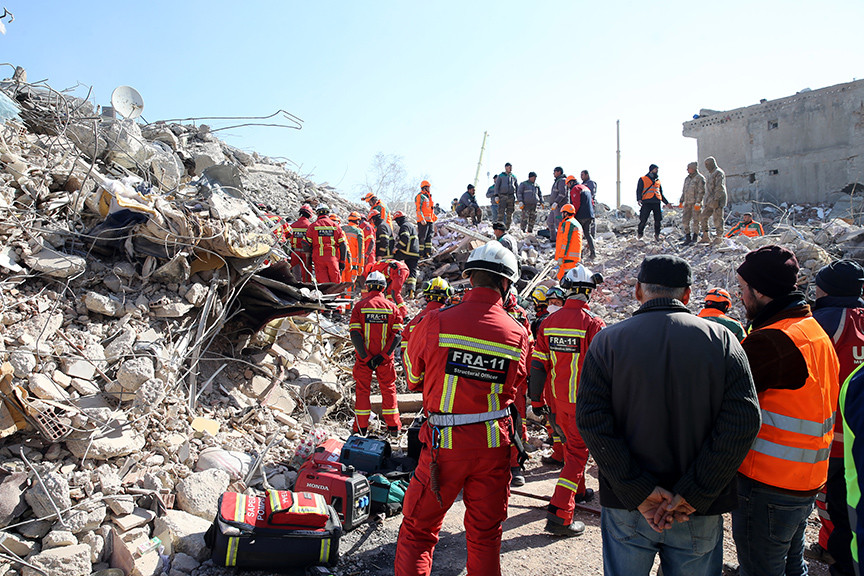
501 234
717 304
715 199
493 199
559 197
592 186
795 370
529 195
649 193
467 206
691 199
505 190
668 418
584 213
746 227
839 309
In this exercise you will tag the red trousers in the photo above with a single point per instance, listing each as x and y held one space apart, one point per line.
521 406
386 373
557 446
301 267
483 476
572 479
827 526
327 270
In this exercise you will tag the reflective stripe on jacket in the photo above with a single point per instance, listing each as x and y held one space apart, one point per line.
378 320
325 236
425 208
356 252
792 448
751 229
568 245
650 190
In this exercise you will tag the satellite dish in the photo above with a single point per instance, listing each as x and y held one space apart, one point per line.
127 102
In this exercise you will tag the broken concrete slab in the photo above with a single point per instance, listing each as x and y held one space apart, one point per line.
78 368
68 560
118 440
186 532
58 538
40 501
15 544
199 492
138 517
102 304
56 264
12 503
45 388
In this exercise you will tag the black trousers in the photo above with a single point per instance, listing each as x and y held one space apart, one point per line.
424 238
840 541
587 224
647 208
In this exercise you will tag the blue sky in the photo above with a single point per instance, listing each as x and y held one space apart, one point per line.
548 80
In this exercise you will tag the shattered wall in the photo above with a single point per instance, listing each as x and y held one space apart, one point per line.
801 148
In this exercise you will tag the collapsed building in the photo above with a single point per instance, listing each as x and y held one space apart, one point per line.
808 147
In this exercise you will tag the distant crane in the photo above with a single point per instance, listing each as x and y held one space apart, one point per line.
480 161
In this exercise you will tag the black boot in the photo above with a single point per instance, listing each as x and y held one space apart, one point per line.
688 239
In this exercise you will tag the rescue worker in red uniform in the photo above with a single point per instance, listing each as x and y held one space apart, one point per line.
562 340
355 237
426 217
384 243
839 309
468 360
301 263
361 222
518 313
407 249
437 293
375 204
280 228
375 330
568 242
329 251
396 273
541 311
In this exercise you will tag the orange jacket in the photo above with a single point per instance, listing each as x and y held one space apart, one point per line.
751 229
425 208
356 252
382 210
792 448
568 245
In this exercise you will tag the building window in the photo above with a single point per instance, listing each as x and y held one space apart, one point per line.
772 124
773 172
751 178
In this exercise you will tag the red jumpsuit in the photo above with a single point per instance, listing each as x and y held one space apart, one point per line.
325 236
468 360
562 340
409 327
378 322
396 273
301 264
521 315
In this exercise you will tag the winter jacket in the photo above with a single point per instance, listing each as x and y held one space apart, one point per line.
715 184
694 188
407 244
646 182
467 200
582 202
506 184
529 193
692 373
560 194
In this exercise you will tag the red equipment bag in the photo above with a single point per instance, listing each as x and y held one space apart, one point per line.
282 529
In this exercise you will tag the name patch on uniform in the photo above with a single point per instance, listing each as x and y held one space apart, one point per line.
326 232
377 318
477 366
566 344
299 233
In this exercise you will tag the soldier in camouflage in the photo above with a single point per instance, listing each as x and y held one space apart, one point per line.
715 199
691 199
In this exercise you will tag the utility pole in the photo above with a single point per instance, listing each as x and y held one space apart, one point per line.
480 161
618 155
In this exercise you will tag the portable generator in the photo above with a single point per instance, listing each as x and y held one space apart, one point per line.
342 487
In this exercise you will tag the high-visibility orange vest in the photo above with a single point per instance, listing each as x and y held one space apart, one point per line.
382 210
568 245
650 190
356 252
425 208
751 229
793 445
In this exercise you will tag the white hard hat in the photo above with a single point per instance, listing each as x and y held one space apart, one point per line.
376 278
580 277
495 258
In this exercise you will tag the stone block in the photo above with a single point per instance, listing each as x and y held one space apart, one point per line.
138 517
39 501
17 545
23 363
118 440
199 493
78 368
58 538
68 561
102 304
186 532
45 388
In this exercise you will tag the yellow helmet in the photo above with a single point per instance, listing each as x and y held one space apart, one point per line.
539 295
437 289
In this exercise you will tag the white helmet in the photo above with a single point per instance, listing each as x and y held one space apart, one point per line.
580 280
376 280
495 258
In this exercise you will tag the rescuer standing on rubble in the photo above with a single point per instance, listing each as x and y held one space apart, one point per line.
529 195
384 242
649 193
559 197
691 200
717 304
437 293
301 264
407 249
426 217
468 360
568 242
715 200
375 330
355 237
562 340
329 251
375 204
505 191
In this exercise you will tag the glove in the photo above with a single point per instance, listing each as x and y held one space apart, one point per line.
554 206
341 266
542 410
375 361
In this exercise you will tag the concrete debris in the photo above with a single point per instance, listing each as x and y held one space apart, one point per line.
199 493
67 560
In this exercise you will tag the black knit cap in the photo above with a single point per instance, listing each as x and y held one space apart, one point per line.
841 278
771 270
499 226
665 270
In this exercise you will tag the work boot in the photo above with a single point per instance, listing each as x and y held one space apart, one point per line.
586 496
688 239
395 430
639 235
518 477
556 527
656 237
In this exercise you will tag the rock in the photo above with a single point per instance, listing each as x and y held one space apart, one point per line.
61 379
23 363
77 368
102 304
199 493
176 271
96 544
41 326
17 545
121 503
39 501
35 530
138 517
197 294
328 389
186 532
78 521
68 561
149 395
44 387
56 264
131 374
85 387
121 345
12 503
184 563
58 538
106 480
118 440
168 309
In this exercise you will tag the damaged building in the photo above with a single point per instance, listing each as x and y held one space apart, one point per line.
801 148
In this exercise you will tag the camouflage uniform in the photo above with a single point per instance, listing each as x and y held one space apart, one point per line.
691 195
715 198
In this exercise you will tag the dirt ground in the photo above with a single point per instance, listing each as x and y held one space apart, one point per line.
369 550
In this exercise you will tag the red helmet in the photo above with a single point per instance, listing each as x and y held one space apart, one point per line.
307 210
354 216
373 214
568 209
398 214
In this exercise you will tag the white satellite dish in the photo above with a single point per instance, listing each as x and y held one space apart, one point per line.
127 102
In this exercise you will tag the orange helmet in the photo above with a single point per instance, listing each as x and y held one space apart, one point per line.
368 197
398 214
569 179
336 218
718 296
568 209
373 214
354 217
425 184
